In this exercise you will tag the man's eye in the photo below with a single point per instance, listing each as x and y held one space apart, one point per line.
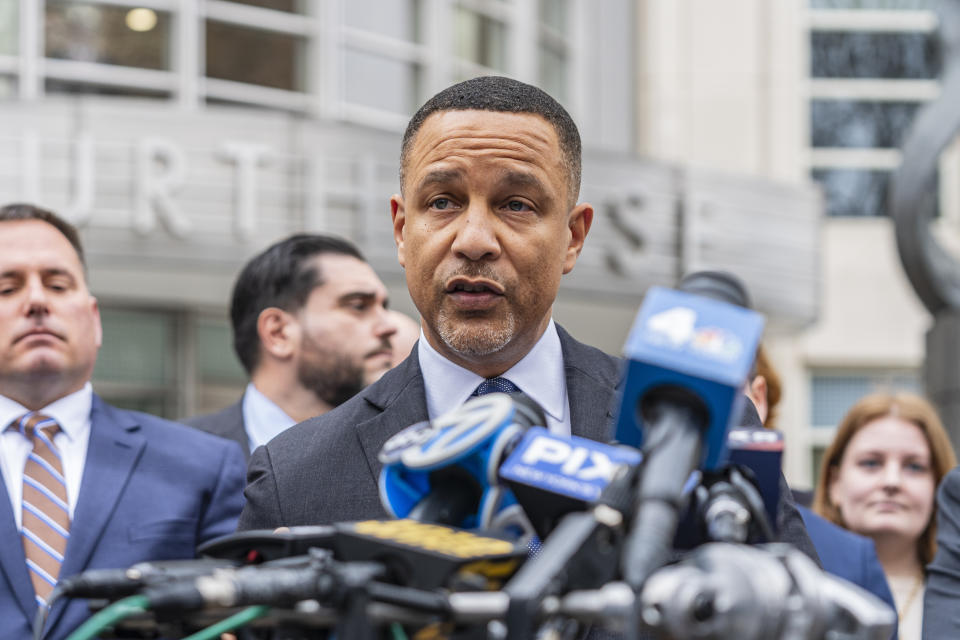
517 205
441 204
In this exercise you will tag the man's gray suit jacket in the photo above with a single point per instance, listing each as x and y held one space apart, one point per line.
325 469
227 423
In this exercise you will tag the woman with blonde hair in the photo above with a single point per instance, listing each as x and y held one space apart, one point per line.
879 478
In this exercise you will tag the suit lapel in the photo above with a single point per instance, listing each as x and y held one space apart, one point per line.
402 401
114 448
12 562
592 377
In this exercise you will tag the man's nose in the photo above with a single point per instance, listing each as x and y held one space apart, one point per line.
36 297
477 234
384 325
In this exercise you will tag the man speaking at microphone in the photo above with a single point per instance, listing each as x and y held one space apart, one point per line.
486 224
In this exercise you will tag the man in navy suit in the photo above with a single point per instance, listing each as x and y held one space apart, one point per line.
88 486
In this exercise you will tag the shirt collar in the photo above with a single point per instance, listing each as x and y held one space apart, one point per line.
262 418
72 412
539 374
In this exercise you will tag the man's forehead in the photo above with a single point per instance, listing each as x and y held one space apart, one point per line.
341 272
466 121
36 241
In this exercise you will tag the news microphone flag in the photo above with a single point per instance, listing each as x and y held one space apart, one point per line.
700 345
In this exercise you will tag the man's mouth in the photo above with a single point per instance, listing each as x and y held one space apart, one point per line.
38 332
474 294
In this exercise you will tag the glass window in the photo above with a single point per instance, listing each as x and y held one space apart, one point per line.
381 83
843 123
874 55
816 460
64 86
553 14
107 34
136 366
832 394
854 192
857 192
217 362
480 39
9 20
137 346
289 6
254 56
553 72
873 4
397 18
8 87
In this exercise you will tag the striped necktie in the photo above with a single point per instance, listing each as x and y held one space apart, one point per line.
45 526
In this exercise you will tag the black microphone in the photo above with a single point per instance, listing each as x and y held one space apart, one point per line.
738 502
117 583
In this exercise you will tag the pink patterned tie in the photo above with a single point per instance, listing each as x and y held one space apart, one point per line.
46 517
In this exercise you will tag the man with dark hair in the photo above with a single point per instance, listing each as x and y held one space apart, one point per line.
122 487
311 328
485 226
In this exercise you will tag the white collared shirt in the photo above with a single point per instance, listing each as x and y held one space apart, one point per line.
72 413
539 374
262 418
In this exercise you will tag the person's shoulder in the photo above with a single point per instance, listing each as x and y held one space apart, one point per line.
171 434
327 431
824 531
588 359
327 428
949 491
208 421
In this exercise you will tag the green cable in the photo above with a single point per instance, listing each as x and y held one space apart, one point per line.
104 618
229 624
396 629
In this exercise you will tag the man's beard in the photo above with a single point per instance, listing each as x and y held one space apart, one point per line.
474 339
474 342
332 377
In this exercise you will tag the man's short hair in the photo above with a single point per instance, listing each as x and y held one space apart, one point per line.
496 93
23 211
279 277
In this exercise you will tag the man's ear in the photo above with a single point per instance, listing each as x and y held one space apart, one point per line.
279 333
97 323
579 224
399 215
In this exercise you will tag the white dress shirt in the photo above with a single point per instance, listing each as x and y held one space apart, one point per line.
72 413
539 374
262 418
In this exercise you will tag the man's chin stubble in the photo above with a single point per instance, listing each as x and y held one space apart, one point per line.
474 342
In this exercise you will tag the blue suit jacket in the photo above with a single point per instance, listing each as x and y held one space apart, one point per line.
848 556
151 490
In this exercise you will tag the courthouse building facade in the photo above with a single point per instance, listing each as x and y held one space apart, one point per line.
183 136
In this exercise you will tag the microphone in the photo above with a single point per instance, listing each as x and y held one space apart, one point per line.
117 583
759 453
445 470
753 593
738 502
552 476
688 357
